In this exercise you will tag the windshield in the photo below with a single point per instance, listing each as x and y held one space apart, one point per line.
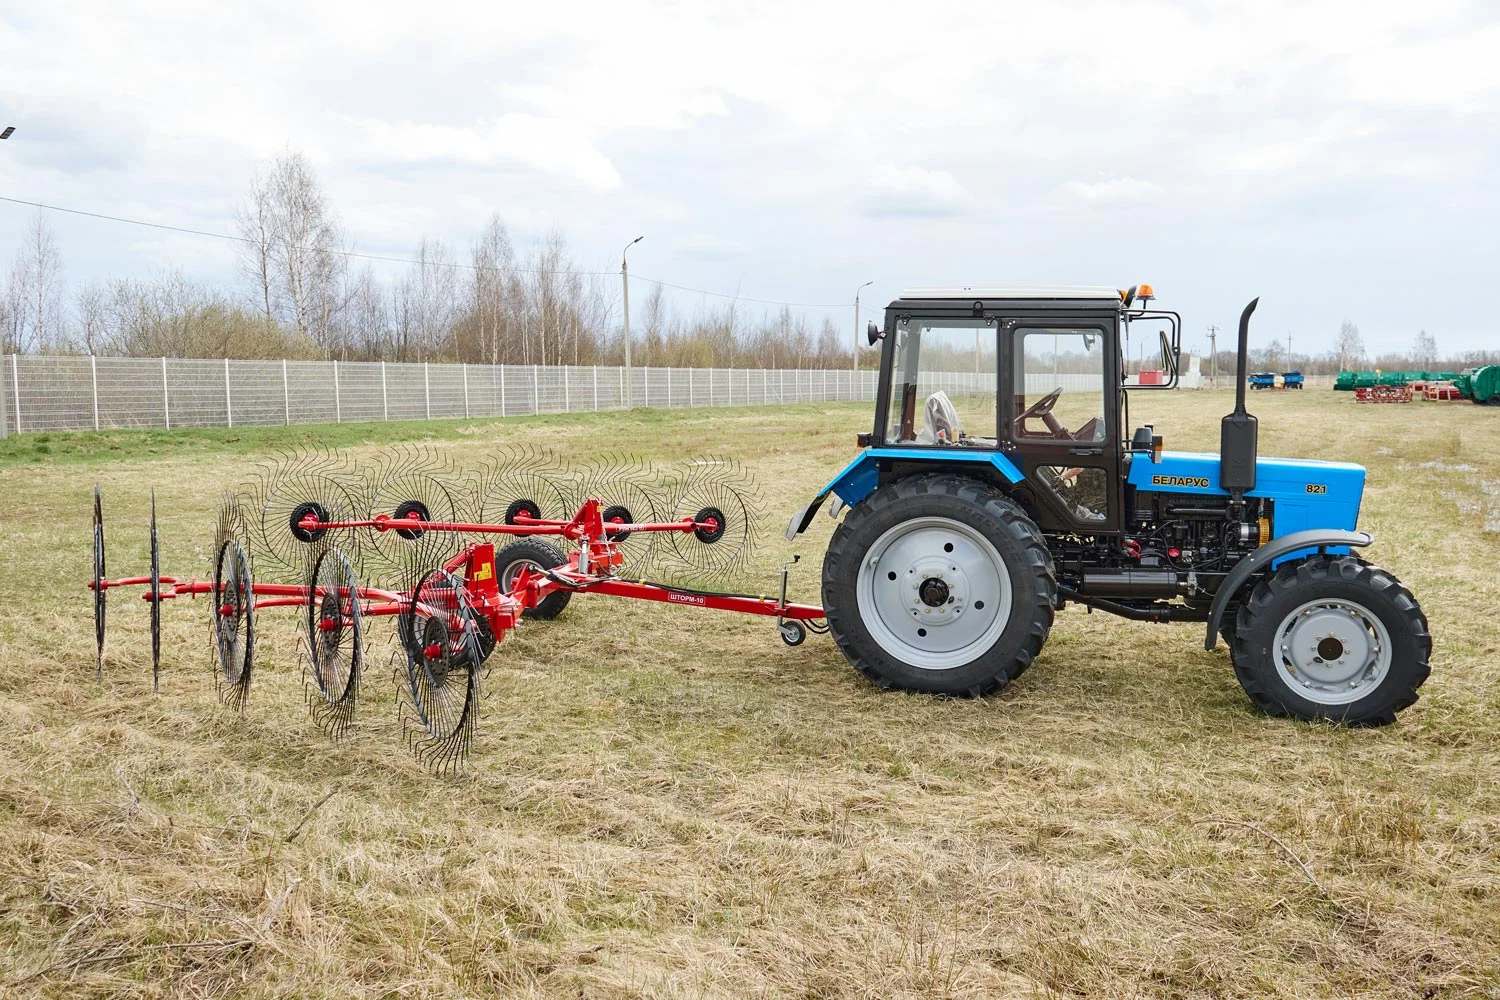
943 383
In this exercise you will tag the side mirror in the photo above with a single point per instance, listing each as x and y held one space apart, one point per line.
1168 356
873 333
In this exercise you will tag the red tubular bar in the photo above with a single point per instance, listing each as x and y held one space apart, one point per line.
667 595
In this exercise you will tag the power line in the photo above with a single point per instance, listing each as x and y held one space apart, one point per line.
458 265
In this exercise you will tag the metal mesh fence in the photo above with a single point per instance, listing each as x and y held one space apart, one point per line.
83 393
78 393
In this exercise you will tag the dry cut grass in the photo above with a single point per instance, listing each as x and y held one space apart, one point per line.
669 803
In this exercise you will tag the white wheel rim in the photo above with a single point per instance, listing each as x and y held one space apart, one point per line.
513 570
1332 651
919 562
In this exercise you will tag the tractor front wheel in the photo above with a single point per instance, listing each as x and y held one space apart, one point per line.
939 584
1331 637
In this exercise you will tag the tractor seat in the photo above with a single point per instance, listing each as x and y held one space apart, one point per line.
940 423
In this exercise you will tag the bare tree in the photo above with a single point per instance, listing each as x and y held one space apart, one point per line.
1424 350
91 307
255 219
433 292
36 287
292 250
1351 346
493 260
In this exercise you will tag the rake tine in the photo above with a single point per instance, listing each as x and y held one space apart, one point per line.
516 479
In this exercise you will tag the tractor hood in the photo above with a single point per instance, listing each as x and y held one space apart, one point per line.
1308 494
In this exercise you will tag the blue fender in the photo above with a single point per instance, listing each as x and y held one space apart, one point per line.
1314 538
859 477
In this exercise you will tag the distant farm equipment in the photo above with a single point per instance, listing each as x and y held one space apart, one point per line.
1480 385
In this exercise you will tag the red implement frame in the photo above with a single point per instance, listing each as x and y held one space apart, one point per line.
589 569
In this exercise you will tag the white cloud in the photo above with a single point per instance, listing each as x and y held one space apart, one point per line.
548 145
1114 190
914 192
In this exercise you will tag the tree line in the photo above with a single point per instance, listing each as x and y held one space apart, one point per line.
1349 354
303 292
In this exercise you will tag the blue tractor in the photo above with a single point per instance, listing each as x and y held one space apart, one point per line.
1000 483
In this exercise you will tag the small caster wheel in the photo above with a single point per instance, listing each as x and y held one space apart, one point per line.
792 633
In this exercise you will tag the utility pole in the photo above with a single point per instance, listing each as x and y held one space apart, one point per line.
1289 365
1213 356
856 322
625 282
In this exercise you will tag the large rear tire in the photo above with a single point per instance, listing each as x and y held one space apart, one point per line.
1331 637
537 556
939 584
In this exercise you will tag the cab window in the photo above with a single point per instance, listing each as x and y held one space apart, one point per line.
1058 384
943 383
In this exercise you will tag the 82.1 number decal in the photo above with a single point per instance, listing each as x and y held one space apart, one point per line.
1317 488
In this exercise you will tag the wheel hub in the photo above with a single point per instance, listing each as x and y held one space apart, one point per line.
933 591
1333 651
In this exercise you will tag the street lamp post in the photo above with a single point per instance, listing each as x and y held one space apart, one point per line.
856 322
625 281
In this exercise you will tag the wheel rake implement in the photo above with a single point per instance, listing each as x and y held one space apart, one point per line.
461 579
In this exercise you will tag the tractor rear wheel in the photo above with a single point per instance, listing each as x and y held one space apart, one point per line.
1331 637
537 556
939 584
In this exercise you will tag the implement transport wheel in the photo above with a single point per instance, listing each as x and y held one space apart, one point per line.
939 584
1331 637
537 556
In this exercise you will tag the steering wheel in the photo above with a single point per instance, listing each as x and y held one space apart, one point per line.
1042 409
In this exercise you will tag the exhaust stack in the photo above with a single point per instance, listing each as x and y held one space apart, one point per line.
1239 433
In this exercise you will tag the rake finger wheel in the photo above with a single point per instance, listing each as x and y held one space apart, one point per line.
631 491
99 576
514 481
233 611
441 637
155 599
315 481
412 482
720 495
333 630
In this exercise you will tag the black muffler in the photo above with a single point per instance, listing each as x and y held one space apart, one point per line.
1238 434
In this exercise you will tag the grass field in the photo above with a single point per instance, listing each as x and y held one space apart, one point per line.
670 803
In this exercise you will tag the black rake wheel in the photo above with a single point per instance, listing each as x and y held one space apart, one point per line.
441 638
99 577
333 627
233 622
721 497
155 598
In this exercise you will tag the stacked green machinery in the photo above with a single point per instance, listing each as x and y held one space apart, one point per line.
1480 385
1349 381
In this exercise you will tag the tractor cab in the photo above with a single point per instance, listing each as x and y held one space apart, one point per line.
1032 376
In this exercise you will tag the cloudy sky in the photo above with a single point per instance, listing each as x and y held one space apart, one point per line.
1336 158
